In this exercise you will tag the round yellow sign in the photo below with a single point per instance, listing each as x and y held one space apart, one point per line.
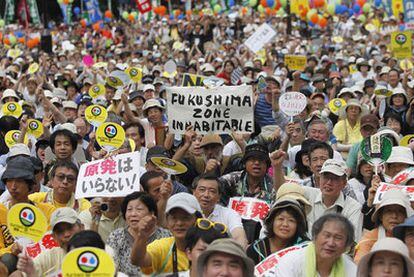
34 128
383 92
12 137
12 109
406 65
96 115
335 104
97 90
88 261
114 82
169 166
134 73
26 220
406 140
110 136
33 68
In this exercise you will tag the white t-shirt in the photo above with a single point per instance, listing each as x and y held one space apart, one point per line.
226 216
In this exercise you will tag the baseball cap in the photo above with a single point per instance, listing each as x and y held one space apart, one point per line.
66 214
185 201
258 151
69 105
336 167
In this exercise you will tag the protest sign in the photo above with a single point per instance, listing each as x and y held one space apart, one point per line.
113 177
386 187
249 208
406 140
12 109
134 73
258 39
401 44
12 137
292 103
336 104
219 110
295 62
97 90
376 150
403 176
169 166
267 267
88 261
33 68
26 221
110 136
192 80
34 128
46 243
96 115
409 14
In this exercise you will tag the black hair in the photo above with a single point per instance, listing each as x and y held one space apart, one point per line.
141 130
209 177
194 234
145 198
358 174
147 176
86 238
66 133
65 164
321 145
334 217
395 116
8 123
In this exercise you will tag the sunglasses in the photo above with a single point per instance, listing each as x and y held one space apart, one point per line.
206 224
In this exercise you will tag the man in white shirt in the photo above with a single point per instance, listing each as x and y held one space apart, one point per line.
206 189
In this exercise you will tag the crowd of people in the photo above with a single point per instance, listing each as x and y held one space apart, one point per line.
311 171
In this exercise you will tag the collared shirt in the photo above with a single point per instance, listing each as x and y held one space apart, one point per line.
226 216
47 197
347 206
106 225
346 134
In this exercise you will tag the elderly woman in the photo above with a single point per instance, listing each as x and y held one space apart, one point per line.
388 257
393 209
333 235
134 207
347 130
405 232
285 226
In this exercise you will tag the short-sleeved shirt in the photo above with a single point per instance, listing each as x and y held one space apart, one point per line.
76 204
106 225
226 216
346 134
160 253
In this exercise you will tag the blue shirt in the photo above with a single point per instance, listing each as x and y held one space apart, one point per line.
263 112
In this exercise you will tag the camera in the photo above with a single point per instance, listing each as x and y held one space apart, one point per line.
104 207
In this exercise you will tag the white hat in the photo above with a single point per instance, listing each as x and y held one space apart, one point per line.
347 90
9 93
393 197
390 245
66 126
118 94
148 87
19 149
385 70
69 105
337 167
66 214
207 68
185 201
401 154
151 103
398 91
56 100
60 92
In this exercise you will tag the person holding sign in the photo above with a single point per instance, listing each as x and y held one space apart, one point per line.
19 179
392 210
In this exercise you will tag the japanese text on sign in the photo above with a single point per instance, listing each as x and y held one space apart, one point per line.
216 110
384 187
267 267
294 62
258 39
249 208
292 103
401 44
114 177
47 242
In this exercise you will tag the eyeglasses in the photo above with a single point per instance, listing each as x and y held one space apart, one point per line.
61 177
206 224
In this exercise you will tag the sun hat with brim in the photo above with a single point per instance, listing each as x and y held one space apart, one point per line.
151 103
398 91
387 131
20 167
401 154
17 150
69 105
393 245
353 102
393 197
226 246
9 93
399 230
285 202
294 191
184 201
211 139
346 90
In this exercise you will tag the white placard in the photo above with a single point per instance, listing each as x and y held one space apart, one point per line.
249 208
258 39
218 110
292 103
113 177
384 187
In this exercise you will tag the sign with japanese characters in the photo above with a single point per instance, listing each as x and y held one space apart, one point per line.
295 62
401 44
110 136
26 221
88 261
258 39
403 176
116 176
267 267
47 242
218 110
384 187
292 103
249 208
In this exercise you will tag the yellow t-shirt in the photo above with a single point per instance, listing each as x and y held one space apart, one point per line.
159 250
343 127
81 205
6 239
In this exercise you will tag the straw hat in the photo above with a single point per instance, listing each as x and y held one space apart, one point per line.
352 102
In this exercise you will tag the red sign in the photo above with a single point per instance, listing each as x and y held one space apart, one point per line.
144 6
249 208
